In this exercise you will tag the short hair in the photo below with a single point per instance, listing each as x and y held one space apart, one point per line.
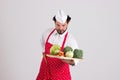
68 19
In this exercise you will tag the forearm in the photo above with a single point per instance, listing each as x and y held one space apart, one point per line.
70 62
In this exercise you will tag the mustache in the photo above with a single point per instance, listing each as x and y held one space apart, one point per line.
61 31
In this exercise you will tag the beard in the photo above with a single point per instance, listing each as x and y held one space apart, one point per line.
61 31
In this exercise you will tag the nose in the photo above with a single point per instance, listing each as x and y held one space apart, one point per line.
60 27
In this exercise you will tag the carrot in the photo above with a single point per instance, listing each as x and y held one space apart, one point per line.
61 53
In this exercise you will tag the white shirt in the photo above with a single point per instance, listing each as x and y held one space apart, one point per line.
57 38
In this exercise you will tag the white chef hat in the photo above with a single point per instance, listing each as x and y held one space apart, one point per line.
61 16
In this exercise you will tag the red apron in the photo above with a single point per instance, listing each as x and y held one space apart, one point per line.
53 68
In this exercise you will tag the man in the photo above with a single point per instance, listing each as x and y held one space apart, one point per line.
53 68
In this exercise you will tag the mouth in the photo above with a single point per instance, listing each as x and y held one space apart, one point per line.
60 31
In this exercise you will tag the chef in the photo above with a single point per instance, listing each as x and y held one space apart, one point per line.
53 68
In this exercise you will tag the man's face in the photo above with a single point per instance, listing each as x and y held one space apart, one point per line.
61 28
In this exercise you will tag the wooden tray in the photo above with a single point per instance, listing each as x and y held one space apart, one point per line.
61 57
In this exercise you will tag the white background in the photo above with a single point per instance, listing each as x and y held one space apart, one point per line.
95 25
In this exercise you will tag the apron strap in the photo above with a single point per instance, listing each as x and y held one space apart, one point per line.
64 41
49 36
44 55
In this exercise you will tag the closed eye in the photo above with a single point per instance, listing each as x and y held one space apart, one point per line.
58 25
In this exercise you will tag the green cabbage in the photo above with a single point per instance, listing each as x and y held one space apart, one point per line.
78 53
67 48
54 49
69 54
